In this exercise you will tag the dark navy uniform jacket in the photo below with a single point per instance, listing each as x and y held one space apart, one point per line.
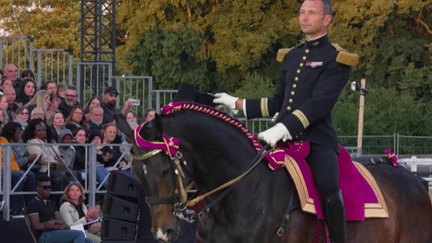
310 85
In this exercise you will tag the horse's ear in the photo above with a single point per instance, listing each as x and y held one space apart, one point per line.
124 127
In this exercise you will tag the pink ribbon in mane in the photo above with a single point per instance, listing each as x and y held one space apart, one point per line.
169 144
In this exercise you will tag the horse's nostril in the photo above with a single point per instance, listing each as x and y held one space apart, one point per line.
172 235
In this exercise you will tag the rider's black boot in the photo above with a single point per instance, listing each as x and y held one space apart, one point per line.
335 217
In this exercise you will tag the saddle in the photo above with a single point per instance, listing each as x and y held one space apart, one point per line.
361 194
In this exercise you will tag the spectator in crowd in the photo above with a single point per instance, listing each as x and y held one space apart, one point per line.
6 83
74 211
56 123
10 133
37 132
22 116
37 113
96 119
109 155
109 103
50 86
95 101
76 119
61 91
80 135
3 103
37 135
22 157
53 105
28 74
11 73
26 93
70 101
149 115
41 100
3 120
45 218
67 151
12 107
131 118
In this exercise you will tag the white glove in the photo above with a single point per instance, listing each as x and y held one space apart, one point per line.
274 134
226 99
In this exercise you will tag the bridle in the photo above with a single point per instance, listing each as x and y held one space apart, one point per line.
179 197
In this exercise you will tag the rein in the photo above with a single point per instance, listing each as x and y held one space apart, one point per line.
170 146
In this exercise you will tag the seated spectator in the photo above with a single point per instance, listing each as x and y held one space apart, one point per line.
45 218
22 157
76 119
26 93
11 132
42 100
53 105
28 74
50 86
93 102
131 118
70 101
6 83
37 113
96 119
109 104
74 211
3 120
22 116
67 151
149 115
80 135
11 73
9 92
61 91
37 135
109 155
3 102
56 123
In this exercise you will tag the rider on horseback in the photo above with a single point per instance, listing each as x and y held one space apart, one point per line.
314 74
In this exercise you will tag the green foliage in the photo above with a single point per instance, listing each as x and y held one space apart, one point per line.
386 112
170 56
256 86
53 23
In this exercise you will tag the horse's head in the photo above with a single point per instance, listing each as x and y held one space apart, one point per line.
156 172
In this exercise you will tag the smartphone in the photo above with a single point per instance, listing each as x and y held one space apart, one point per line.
135 102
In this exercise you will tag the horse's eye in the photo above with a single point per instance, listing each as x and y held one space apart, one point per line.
165 172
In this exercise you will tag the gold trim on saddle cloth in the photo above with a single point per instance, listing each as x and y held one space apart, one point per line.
306 202
373 210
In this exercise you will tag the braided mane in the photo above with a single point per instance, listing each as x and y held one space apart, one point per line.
175 107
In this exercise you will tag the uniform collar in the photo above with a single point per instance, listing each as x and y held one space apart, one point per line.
317 42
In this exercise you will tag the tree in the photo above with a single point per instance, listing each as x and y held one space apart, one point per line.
53 23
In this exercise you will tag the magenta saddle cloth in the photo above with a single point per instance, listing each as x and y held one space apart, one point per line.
362 196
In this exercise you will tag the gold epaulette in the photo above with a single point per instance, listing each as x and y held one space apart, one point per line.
346 58
280 57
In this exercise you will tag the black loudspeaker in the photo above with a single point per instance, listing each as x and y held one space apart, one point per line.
123 185
117 230
121 208
117 208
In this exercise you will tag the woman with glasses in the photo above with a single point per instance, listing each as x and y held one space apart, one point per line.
76 119
37 135
74 211
22 116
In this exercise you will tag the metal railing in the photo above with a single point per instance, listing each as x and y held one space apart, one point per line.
17 50
91 185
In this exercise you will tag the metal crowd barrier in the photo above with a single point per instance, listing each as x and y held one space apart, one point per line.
90 184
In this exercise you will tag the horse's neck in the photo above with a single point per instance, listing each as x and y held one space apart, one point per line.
219 150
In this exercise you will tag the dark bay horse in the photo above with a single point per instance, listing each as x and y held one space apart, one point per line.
214 152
